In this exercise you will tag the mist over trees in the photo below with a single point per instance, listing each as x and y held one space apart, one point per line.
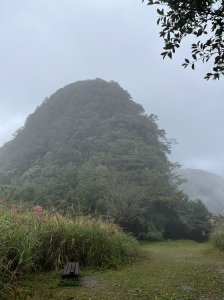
202 19
90 149
206 186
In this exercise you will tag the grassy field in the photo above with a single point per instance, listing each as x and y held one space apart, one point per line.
169 270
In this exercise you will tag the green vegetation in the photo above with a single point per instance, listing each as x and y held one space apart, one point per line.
169 270
90 149
35 241
88 155
202 19
217 236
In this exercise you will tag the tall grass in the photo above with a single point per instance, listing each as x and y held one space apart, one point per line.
217 235
32 242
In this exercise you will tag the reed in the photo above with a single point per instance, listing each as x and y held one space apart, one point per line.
35 240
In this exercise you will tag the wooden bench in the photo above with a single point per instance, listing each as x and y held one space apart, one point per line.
71 270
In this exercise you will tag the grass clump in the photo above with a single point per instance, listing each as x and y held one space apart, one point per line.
217 235
38 240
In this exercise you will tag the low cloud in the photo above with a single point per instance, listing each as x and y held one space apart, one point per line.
214 165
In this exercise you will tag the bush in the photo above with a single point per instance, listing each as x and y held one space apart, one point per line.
217 235
38 241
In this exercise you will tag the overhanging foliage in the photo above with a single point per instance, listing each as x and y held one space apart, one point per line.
204 19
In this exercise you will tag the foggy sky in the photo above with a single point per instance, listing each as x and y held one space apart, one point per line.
47 44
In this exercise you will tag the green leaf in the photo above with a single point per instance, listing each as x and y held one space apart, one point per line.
160 12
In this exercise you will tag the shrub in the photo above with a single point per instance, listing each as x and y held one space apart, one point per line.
217 235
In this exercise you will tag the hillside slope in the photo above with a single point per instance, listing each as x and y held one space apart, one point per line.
91 149
206 186
91 122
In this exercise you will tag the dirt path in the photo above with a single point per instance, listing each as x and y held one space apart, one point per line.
171 270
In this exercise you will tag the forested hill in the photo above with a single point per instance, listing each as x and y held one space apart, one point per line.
87 120
90 148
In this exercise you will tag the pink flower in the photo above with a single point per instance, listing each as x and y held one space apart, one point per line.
38 210
14 208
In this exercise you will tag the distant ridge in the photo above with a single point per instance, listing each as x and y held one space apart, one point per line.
207 186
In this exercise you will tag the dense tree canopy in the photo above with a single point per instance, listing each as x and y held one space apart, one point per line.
91 149
204 19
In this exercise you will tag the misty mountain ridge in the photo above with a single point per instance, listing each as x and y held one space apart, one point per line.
204 185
